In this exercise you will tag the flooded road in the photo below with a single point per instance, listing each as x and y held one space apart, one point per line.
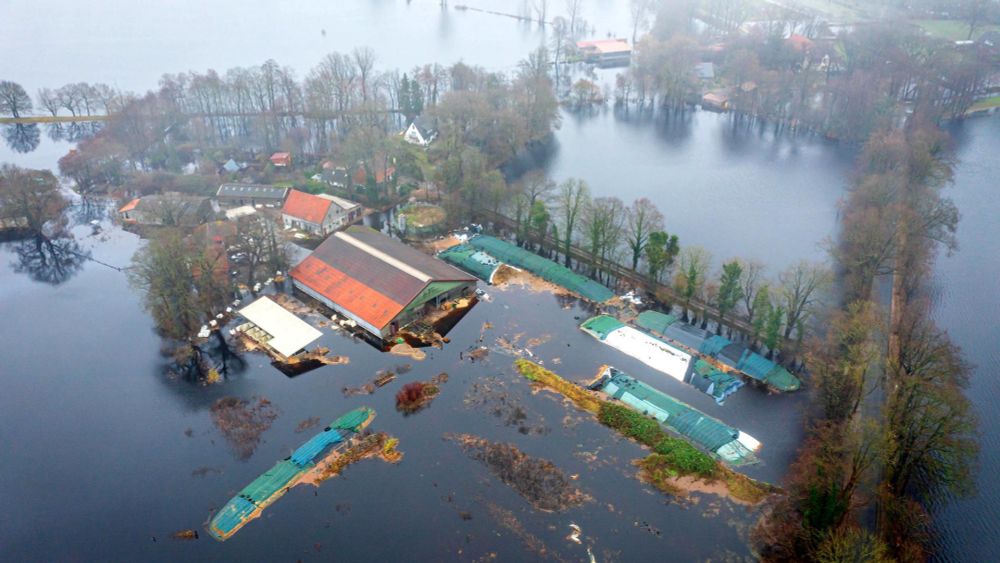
103 453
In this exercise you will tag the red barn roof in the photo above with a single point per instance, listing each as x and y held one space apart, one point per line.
306 206
370 275
360 176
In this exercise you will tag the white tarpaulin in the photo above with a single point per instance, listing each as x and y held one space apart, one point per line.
289 334
650 351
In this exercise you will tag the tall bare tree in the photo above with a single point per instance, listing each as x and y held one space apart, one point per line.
643 219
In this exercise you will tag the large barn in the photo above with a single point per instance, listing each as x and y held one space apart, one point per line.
379 282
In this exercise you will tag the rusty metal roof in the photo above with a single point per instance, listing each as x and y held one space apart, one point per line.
371 275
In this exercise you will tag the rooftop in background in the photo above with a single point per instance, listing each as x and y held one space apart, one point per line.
289 334
281 159
306 206
605 46
255 191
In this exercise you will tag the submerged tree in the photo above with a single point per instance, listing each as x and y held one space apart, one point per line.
14 101
180 284
31 197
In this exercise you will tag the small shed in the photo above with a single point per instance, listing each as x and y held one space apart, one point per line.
276 328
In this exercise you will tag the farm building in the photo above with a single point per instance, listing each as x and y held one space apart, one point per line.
169 209
236 195
378 282
606 52
320 214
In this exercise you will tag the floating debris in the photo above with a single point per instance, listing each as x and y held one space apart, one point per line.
383 377
306 424
242 422
404 349
507 520
538 480
205 471
574 534
185 535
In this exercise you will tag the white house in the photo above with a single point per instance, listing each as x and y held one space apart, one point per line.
319 214
420 132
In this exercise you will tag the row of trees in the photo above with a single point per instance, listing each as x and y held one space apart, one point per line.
892 430
555 219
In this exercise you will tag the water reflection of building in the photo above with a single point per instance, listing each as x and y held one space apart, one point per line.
380 283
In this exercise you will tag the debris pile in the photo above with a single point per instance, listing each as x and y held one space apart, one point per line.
538 480
417 395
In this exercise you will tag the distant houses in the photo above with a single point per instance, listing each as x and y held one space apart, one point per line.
422 131
236 195
382 175
281 159
317 214
168 209
715 101
606 52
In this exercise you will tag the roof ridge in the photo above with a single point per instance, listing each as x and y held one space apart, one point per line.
399 265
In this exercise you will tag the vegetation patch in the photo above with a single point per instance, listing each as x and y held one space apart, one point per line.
539 481
672 458
583 399
417 395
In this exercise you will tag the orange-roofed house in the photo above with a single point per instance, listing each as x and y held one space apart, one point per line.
318 214
378 282
281 159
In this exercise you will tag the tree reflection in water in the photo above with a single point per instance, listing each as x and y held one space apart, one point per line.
51 261
22 138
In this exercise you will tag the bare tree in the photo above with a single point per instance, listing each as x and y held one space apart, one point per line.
541 10
643 219
802 285
750 284
572 199
640 11
14 101
364 59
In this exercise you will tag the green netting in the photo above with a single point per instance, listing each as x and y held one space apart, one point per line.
713 345
655 321
782 380
272 481
472 260
702 429
601 325
542 267
762 369
714 381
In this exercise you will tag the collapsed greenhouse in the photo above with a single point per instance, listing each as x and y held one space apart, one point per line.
728 443
734 355
493 251
662 356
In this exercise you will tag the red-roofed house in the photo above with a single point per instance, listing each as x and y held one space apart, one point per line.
378 282
318 214
800 43
381 176
281 159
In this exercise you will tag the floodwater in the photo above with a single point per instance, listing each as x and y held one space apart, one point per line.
96 457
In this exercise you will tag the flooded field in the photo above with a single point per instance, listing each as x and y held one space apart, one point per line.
107 442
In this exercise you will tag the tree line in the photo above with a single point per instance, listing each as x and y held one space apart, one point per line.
891 432
564 220
845 85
